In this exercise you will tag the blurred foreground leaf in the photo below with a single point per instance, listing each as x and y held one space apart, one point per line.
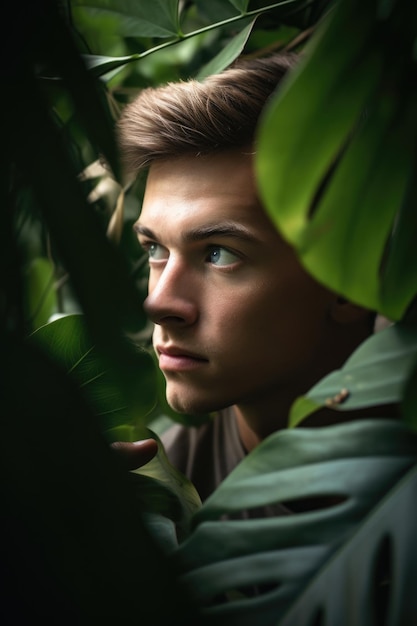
337 155
74 548
118 395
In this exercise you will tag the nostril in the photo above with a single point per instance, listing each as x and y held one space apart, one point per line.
167 310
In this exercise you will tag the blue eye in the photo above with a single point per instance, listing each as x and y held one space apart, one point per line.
156 252
221 256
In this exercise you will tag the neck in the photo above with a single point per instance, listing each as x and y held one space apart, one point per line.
256 423
258 419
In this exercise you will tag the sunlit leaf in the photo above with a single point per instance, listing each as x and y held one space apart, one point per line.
374 375
353 149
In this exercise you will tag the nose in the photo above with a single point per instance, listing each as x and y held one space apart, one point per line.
172 299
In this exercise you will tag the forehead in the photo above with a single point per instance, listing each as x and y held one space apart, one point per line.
208 189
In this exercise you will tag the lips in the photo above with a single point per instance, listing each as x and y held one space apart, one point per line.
174 358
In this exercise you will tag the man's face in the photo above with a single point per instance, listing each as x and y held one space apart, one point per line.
237 320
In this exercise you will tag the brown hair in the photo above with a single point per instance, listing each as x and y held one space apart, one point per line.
193 117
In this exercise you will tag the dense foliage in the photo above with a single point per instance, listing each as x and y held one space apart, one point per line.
85 543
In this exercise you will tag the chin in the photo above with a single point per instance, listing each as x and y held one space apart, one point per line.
180 403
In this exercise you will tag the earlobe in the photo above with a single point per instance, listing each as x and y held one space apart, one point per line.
344 312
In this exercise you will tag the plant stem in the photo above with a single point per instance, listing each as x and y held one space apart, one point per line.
206 29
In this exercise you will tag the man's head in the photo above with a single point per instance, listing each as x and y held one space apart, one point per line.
193 117
237 319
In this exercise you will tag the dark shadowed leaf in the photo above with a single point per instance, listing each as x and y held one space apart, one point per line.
76 543
157 18
117 401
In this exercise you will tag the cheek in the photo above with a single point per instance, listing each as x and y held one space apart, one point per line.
288 315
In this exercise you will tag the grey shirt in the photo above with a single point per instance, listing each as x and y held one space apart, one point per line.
207 454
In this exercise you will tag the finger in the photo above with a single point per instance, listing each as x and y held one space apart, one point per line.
132 455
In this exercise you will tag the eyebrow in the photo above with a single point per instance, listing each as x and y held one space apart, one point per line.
226 229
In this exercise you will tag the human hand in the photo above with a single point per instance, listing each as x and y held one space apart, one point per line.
135 454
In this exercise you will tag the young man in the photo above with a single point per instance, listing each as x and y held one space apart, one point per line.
241 330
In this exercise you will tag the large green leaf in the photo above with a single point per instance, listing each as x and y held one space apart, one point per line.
132 18
347 130
117 400
331 479
372 577
375 375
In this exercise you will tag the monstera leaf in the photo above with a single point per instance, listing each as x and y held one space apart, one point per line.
333 481
374 375
336 158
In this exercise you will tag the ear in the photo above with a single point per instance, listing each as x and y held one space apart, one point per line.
344 312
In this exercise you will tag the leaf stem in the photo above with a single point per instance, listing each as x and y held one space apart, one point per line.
206 29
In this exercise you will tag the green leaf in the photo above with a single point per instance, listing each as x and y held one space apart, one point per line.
383 559
170 493
301 408
229 53
356 159
330 479
374 375
39 291
240 5
409 399
117 400
99 65
99 274
158 18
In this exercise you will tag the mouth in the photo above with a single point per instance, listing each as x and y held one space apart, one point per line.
176 359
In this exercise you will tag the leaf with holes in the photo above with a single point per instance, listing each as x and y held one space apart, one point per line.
330 480
353 149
